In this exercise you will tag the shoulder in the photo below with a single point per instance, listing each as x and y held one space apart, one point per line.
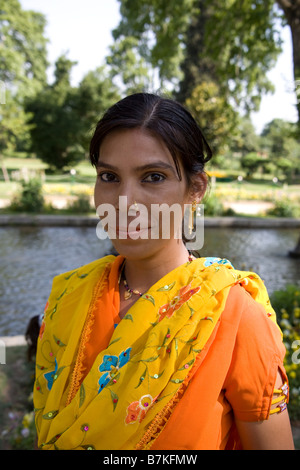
82 274
256 357
256 330
78 282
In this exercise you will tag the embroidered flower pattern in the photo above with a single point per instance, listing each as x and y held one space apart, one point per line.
183 295
211 260
137 410
42 329
49 376
111 366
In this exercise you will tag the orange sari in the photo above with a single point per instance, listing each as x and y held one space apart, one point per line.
225 367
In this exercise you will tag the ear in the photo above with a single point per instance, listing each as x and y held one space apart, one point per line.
198 187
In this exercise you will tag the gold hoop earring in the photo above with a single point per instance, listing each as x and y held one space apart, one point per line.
191 216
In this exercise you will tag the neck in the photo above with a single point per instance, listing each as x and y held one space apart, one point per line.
141 274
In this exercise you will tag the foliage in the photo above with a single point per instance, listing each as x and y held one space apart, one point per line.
62 115
212 205
22 68
126 64
251 162
22 47
286 303
159 27
94 96
286 299
291 10
211 36
14 128
30 198
81 205
216 117
284 208
246 140
279 140
16 405
244 55
54 127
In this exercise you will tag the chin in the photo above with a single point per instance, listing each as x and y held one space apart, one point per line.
136 249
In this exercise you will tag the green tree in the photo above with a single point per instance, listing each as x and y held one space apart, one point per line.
243 39
278 140
22 70
246 140
230 42
251 162
291 11
95 94
63 116
54 127
159 27
22 48
227 46
214 114
128 67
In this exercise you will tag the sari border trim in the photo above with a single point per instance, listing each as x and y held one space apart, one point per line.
159 422
78 371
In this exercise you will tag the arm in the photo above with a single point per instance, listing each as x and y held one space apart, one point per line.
272 434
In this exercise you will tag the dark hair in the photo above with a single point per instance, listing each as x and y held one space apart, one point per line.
162 117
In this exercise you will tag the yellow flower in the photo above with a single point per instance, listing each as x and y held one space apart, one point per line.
27 419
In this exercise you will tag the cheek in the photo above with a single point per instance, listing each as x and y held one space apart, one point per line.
175 193
98 195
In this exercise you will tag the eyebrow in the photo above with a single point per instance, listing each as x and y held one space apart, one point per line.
148 166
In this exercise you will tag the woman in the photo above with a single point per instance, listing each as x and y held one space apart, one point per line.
154 349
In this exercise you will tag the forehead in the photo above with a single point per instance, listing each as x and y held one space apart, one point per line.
133 144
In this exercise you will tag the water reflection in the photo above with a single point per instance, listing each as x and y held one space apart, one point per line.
31 256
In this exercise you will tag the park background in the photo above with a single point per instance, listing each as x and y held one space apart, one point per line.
235 64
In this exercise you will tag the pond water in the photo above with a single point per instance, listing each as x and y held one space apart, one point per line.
31 256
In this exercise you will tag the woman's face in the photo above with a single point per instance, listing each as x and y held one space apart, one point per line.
137 165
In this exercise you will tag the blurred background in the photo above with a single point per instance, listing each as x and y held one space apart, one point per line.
234 63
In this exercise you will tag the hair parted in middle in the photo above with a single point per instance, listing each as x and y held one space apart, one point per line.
163 118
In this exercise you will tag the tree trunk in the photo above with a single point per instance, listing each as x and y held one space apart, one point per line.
197 67
291 9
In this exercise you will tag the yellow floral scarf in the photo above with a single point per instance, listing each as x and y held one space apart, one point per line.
127 397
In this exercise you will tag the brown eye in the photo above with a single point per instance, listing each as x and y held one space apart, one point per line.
154 178
107 177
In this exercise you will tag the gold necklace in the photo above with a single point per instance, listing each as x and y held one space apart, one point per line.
128 292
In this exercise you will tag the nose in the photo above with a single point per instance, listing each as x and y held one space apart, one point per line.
127 197
125 207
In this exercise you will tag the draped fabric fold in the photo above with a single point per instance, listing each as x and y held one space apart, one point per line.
102 383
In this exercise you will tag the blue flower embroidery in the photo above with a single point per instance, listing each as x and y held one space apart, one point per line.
111 365
49 376
103 381
211 260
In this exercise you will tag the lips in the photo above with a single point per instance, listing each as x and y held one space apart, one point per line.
124 232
